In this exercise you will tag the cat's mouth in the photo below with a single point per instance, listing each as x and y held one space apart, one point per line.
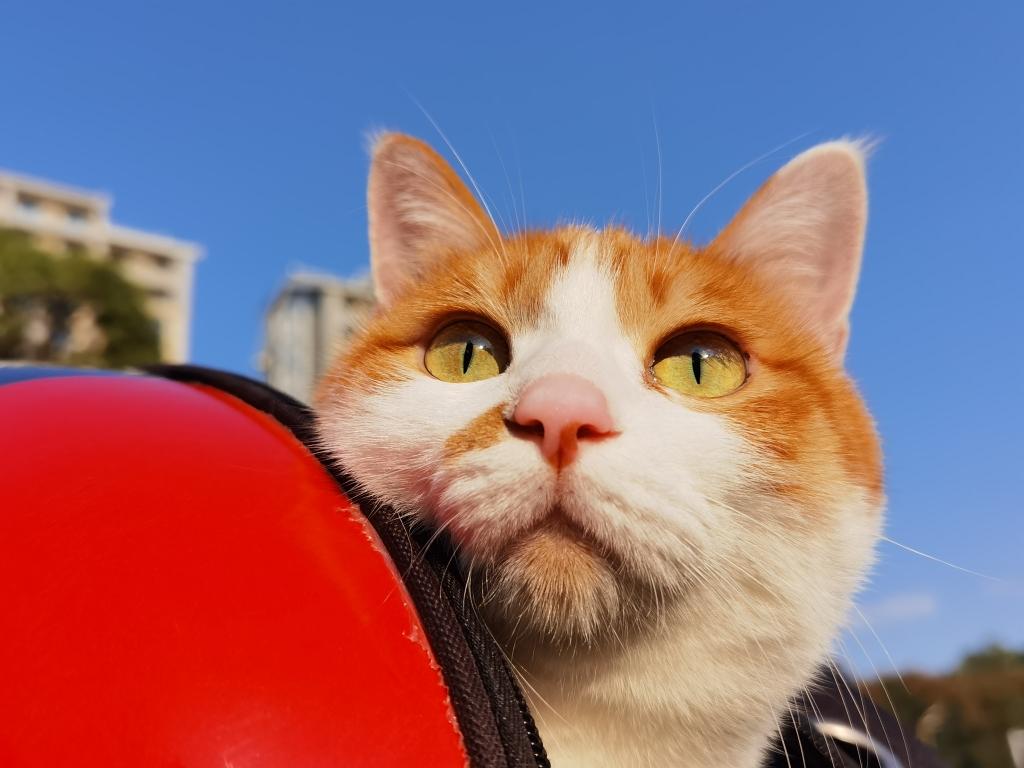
558 519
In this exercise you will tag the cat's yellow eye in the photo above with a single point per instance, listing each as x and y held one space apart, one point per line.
466 351
700 363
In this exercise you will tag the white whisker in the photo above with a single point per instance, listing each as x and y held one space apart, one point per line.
465 169
940 560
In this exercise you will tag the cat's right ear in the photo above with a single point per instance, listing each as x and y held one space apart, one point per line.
804 231
419 211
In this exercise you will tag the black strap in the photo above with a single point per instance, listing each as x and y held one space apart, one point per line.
497 728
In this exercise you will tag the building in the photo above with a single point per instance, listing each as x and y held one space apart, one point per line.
61 219
309 322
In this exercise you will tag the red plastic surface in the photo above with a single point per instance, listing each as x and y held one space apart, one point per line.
181 584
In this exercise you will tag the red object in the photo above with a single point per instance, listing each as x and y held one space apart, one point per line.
183 584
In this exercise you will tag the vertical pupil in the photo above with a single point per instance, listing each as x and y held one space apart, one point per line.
695 360
467 356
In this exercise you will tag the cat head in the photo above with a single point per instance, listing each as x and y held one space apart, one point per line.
613 427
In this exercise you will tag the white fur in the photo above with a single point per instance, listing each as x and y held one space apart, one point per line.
750 606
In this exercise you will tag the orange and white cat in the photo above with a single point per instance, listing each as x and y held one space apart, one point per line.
660 479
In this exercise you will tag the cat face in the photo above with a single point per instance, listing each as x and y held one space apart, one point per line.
614 428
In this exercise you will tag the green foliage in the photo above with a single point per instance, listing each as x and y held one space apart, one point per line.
995 658
53 292
966 714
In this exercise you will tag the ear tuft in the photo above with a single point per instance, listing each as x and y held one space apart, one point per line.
419 211
804 231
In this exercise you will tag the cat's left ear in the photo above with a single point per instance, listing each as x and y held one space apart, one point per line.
804 232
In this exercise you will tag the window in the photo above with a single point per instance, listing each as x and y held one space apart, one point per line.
79 217
27 203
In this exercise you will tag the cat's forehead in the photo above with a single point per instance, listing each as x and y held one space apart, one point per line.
580 296
577 327
608 286
575 279
601 283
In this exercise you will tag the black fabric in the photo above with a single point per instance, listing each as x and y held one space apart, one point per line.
833 699
496 725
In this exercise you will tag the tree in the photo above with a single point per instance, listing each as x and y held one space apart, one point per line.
70 309
965 714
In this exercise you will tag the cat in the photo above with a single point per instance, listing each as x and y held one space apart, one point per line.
663 485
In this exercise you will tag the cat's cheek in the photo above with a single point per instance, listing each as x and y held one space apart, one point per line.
798 575
394 438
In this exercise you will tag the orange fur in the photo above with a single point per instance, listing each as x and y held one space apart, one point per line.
482 432
798 403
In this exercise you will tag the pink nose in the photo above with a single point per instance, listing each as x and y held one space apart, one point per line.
566 408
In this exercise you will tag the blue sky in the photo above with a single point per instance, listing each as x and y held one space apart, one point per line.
241 126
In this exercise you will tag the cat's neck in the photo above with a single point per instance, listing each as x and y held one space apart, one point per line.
682 696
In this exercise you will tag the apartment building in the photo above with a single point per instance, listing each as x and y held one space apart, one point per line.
61 219
308 323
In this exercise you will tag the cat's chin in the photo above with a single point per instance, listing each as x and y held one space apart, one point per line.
554 585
